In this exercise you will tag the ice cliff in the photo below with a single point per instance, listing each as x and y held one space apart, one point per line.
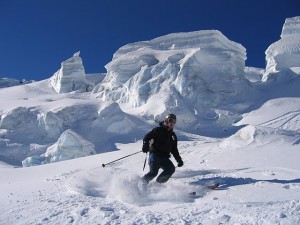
285 53
203 67
71 76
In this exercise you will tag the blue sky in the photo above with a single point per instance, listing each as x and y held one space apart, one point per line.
37 35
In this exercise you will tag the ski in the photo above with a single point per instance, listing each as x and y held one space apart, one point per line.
211 187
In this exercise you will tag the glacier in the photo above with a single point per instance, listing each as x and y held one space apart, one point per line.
200 76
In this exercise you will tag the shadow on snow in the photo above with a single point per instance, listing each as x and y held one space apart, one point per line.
226 182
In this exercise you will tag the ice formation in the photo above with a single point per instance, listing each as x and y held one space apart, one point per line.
285 53
70 145
291 27
71 76
202 67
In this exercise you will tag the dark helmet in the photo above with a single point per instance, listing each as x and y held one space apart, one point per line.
171 116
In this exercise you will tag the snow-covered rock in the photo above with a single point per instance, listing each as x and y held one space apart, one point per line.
202 68
285 53
71 76
70 145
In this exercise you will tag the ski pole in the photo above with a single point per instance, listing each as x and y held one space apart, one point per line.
145 161
104 164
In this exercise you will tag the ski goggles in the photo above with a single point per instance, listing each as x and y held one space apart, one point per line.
172 120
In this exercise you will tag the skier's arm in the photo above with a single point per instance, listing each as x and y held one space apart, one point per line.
175 153
147 139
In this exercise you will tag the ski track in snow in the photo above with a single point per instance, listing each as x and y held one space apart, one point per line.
77 208
288 121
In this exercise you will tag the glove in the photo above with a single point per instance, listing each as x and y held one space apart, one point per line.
145 148
180 163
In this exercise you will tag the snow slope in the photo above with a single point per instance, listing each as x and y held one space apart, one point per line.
260 181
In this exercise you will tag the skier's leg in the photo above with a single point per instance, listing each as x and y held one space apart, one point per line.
154 167
168 168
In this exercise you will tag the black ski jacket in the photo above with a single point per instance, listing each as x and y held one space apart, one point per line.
162 141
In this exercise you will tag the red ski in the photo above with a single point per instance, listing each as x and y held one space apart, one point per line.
211 187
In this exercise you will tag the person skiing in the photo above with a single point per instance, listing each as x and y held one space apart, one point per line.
161 142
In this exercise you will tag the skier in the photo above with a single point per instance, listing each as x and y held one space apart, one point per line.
160 142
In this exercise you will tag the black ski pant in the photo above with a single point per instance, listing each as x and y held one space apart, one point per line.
157 162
